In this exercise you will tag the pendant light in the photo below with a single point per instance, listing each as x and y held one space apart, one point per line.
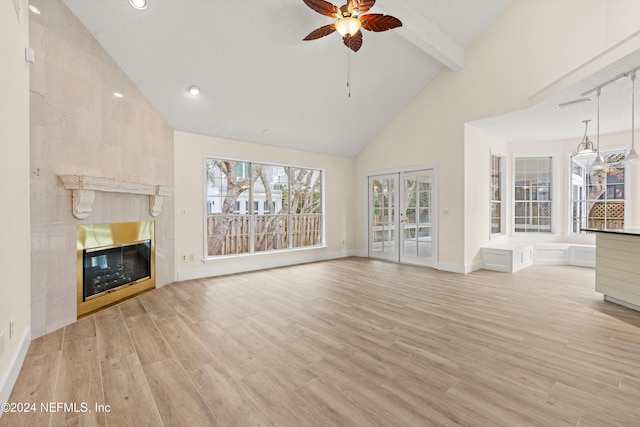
632 156
585 149
598 163
139 4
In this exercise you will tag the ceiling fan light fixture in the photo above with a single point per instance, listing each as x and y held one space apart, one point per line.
348 26
139 4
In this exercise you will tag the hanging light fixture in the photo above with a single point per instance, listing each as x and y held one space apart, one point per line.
632 156
598 163
585 149
139 4
348 26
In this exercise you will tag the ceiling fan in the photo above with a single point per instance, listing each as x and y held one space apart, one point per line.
350 20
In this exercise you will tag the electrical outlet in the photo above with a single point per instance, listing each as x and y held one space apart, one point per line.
183 258
10 328
193 257
1 343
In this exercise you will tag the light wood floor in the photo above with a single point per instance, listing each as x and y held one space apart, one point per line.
350 342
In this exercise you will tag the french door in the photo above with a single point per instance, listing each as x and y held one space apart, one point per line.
402 217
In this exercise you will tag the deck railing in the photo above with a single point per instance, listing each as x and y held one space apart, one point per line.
234 234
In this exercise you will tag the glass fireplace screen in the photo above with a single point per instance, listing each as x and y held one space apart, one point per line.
106 269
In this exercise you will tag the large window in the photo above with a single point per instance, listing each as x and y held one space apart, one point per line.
597 197
497 196
532 195
256 207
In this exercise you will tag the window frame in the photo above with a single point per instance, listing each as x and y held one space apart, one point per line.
503 193
250 211
553 159
605 154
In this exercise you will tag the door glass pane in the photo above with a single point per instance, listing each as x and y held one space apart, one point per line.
409 247
416 191
382 219
425 216
424 242
425 199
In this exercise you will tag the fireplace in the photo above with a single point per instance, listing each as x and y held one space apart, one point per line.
114 262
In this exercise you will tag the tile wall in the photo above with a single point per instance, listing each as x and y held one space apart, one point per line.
79 127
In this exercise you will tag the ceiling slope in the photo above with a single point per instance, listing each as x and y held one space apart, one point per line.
261 83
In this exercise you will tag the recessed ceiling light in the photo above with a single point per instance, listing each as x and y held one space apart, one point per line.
139 4
34 9
193 90
118 95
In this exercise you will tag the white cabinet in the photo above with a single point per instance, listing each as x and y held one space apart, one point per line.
618 267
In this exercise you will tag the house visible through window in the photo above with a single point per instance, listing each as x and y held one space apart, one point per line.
532 210
597 197
497 207
239 195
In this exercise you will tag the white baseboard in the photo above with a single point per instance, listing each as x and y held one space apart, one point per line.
455 268
473 267
232 265
9 378
621 302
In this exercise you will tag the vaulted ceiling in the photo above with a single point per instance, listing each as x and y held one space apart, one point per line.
260 82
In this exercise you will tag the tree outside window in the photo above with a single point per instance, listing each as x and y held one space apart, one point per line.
598 197
256 207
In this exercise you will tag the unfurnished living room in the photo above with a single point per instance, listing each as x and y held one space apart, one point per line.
300 212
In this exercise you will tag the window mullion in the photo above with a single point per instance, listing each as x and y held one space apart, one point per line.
290 209
252 217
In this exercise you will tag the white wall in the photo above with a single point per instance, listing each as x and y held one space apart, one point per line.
531 45
190 151
477 189
14 193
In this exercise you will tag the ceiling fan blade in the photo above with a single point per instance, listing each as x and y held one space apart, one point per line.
323 8
321 32
354 42
361 5
378 22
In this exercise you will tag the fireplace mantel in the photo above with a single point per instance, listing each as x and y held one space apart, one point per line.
83 190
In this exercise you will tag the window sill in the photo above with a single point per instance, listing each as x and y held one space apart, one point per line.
218 258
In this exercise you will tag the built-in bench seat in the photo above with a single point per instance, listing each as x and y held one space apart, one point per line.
514 256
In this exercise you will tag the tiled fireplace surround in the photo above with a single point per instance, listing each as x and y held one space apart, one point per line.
79 128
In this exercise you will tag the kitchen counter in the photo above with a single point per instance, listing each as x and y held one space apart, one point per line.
627 231
618 266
